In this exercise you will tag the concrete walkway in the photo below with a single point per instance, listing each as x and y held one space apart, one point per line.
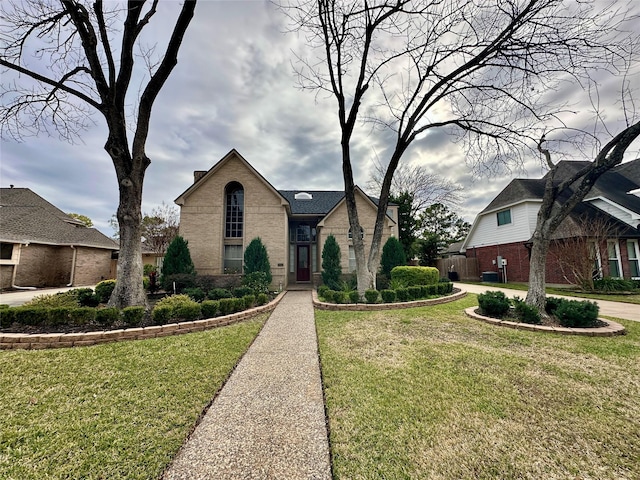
268 422
628 311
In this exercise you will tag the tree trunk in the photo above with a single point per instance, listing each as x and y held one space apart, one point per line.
536 295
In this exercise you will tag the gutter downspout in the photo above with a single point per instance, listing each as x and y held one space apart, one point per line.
15 272
73 266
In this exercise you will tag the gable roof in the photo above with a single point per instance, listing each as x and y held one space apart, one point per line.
26 217
321 202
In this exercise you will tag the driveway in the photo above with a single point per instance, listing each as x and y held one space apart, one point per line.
23 296
628 311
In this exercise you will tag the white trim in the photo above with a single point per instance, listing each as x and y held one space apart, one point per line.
617 259
634 215
510 205
637 256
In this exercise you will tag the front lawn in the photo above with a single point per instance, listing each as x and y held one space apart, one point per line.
119 410
429 393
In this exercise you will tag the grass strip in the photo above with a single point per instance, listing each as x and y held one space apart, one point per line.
116 411
430 393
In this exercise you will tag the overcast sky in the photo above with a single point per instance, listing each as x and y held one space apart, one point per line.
233 87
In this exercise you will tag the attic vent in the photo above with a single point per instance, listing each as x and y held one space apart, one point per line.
303 196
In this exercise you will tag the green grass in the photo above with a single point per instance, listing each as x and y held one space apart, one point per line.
119 410
430 393
629 298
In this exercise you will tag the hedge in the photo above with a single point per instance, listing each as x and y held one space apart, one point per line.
412 276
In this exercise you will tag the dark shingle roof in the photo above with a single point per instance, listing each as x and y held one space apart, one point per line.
321 203
518 189
27 217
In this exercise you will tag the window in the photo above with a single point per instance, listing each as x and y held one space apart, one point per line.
504 217
361 233
352 259
233 259
613 252
634 265
234 210
6 251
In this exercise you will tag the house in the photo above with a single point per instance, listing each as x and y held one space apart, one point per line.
503 230
41 246
232 203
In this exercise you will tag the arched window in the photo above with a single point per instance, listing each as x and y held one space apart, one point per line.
234 210
361 233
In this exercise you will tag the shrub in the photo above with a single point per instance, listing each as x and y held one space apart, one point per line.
104 289
388 296
322 289
6 316
392 256
526 313
27 315
371 296
256 259
444 288
382 281
218 293
397 283
415 292
412 276
551 304
238 304
226 305
609 284
430 290
147 268
241 291
329 295
494 304
107 316
61 299
59 316
210 308
177 259
82 315
331 267
341 297
86 297
354 296
181 281
187 311
262 299
249 301
402 294
132 316
573 313
161 314
195 293
257 282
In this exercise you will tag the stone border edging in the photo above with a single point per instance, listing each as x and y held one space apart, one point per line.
40 341
365 307
612 328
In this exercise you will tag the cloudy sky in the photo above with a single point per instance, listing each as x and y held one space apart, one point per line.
234 87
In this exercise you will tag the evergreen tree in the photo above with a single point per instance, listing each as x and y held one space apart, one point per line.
256 259
392 256
178 259
408 224
331 268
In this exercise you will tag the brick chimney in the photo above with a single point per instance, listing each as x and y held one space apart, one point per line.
198 174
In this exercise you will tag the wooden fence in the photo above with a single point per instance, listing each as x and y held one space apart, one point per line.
467 268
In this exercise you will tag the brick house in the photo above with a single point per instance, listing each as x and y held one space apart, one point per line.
41 246
505 227
232 203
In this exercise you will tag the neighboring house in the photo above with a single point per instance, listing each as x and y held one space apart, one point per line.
505 227
41 246
231 204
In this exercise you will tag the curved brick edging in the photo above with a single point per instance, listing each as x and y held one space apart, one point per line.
612 328
39 341
364 307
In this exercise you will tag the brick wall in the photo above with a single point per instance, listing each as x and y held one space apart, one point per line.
92 266
44 266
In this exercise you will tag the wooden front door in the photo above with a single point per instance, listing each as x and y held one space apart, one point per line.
303 272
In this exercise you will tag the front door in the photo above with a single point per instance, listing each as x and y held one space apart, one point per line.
303 272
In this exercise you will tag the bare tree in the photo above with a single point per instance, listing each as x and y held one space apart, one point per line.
159 227
479 68
84 63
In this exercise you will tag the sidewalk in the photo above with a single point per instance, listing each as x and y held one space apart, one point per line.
628 311
268 422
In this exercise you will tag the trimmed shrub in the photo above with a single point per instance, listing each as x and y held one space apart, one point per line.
431 289
210 308
219 293
262 299
86 297
195 293
371 296
256 259
249 301
402 294
415 292
388 296
331 267
392 256
61 299
609 284
322 289
354 296
573 313
82 316
161 314
412 276
59 316
181 281
34 316
132 316
329 295
107 316
341 297
494 303
444 288
551 304
187 311
227 305
382 281
238 304
526 313
6 316
240 292
257 282
104 289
